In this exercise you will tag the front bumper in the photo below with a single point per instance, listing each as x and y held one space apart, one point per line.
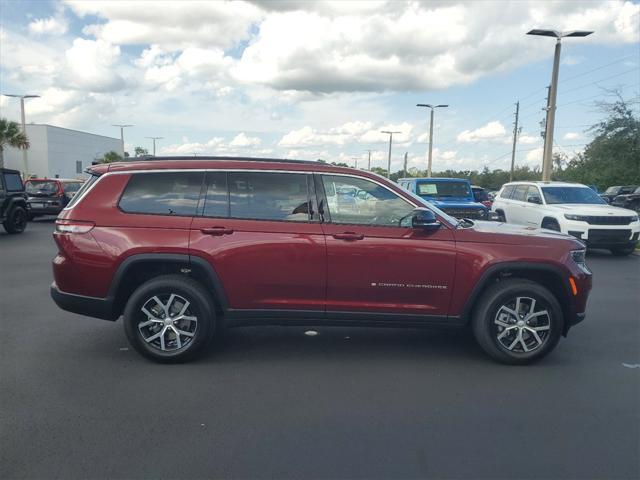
89 306
603 235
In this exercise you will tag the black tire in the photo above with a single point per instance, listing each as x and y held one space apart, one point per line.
487 312
501 216
623 251
551 224
16 220
200 306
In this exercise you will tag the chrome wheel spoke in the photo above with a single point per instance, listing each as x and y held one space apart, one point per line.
502 323
184 332
540 329
157 335
536 314
151 321
177 334
173 327
514 332
535 335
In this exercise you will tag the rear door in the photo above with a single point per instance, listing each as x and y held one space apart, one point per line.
516 207
261 233
378 264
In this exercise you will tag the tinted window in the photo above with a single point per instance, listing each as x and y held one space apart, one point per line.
520 193
71 187
480 195
41 187
507 191
162 193
269 196
571 195
362 202
85 186
13 181
532 192
612 190
216 201
444 189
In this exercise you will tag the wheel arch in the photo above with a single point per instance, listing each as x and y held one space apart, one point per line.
547 218
548 275
139 268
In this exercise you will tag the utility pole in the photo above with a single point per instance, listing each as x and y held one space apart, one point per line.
369 161
405 163
154 143
515 141
547 164
122 127
25 164
432 107
390 142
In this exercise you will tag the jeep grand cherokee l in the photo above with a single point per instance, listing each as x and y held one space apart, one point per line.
183 248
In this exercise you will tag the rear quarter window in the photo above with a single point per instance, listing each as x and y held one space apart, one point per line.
162 193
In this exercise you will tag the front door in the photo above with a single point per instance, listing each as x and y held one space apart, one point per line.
377 263
262 235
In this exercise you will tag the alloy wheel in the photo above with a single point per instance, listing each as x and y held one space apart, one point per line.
169 323
522 326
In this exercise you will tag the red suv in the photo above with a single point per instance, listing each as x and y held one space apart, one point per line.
182 248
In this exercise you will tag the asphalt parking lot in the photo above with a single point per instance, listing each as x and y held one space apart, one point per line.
76 402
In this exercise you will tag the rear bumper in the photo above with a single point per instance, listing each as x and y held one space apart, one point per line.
89 306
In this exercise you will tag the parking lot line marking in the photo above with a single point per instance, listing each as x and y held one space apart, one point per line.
631 365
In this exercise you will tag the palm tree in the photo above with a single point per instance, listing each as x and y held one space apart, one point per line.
11 136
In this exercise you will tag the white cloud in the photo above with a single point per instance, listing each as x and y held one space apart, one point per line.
528 139
241 140
535 155
491 131
48 26
90 66
572 136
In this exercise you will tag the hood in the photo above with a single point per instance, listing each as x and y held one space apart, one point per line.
510 234
590 209
454 202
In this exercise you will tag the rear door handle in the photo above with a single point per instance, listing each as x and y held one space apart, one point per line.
216 231
348 236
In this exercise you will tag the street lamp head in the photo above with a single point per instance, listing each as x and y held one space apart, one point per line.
121 126
386 131
20 96
424 105
577 33
441 106
557 34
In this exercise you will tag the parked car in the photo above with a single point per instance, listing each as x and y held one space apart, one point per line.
612 192
629 200
451 195
570 208
183 248
14 209
48 196
480 195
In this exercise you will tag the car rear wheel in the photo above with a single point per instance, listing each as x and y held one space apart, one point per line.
16 221
517 321
170 319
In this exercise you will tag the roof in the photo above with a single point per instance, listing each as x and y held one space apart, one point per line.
54 180
445 179
195 163
548 184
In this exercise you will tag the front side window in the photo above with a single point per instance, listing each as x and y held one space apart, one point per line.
559 195
532 192
269 196
362 202
163 193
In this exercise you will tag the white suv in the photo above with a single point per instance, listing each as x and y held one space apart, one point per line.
570 208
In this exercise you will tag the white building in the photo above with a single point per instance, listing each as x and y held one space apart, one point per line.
61 152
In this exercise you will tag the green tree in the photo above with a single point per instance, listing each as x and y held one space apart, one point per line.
139 151
111 157
11 136
613 156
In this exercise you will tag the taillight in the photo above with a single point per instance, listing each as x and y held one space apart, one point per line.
73 226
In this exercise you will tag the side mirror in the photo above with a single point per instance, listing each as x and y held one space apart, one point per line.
535 199
424 219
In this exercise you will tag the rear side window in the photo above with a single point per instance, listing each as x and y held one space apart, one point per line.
13 181
163 193
520 193
216 200
269 196
507 191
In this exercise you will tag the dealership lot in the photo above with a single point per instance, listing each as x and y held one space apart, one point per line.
273 402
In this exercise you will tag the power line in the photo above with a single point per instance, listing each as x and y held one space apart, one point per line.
597 68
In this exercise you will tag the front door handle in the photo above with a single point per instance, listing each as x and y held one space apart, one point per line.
348 236
216 231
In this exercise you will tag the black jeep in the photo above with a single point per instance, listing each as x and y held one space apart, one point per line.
13 201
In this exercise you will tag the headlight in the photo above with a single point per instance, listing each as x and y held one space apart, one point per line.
579 256
570 216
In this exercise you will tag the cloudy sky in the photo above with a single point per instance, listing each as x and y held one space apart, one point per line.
318 79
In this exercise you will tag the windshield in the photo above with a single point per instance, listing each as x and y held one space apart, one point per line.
612 190
435 189
71 187
557 195
41 186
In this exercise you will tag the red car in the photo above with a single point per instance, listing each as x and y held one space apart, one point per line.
48 196
182 248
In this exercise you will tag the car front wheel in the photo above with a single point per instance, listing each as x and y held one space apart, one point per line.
517 321
169 319
16 221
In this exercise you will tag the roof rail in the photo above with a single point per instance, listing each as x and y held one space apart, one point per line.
151 158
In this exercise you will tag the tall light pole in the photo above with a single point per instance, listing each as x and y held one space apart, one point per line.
432 107
122 127
390 142
24 127
551 110
369 161
154 143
